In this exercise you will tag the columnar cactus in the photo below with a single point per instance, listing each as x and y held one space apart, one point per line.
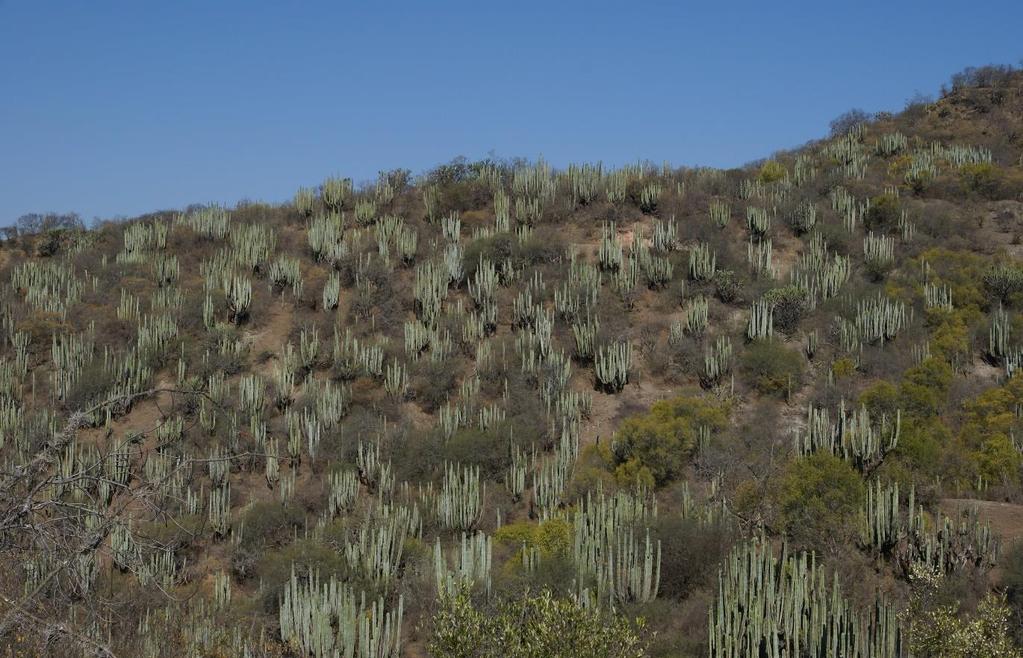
758 221
611 365
879 319
702 262
396 380
761 320
239 298
759 257
460 504
763 604
878 252
326 237
693 322
611 253
220 510
998 335
585 333
515 478
344 491
336 193
502 211
331 292
938 296
305 201
483 284
891 144
649 197
720 213
665 235
882 524
855 437
473 559
657 270
608 552
431 288
803 217
717 362
374 553
324 620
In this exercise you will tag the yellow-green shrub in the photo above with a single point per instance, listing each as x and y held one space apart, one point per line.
661 440
818 498
771 171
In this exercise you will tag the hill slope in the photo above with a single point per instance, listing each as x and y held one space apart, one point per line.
501 377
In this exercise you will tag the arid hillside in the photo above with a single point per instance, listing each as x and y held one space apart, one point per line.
505 409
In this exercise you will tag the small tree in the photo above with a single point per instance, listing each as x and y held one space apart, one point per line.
848 121
659 442
818 498
884 213
33 223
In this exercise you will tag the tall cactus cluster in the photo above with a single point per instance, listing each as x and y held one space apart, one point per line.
761 320
702 263
912 539
880 319
855 436
323 619
611 364
460 503
694 320
615 561
803 217
758 221
759 255
717 362
999 335
720 213
791 606
473 558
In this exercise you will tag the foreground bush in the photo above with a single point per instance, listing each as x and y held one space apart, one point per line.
942 629
530 627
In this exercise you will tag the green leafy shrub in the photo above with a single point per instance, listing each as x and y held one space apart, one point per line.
884 213
771 171
530 626
772 368
727 286
925 387
270 523
434 382
790 305
937 628
981 178
552 537
487 449
818 498
660 441
989 422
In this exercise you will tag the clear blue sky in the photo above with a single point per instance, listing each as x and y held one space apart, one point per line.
118 108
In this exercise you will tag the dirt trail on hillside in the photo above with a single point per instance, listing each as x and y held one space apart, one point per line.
1005 519
272 335
144 417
